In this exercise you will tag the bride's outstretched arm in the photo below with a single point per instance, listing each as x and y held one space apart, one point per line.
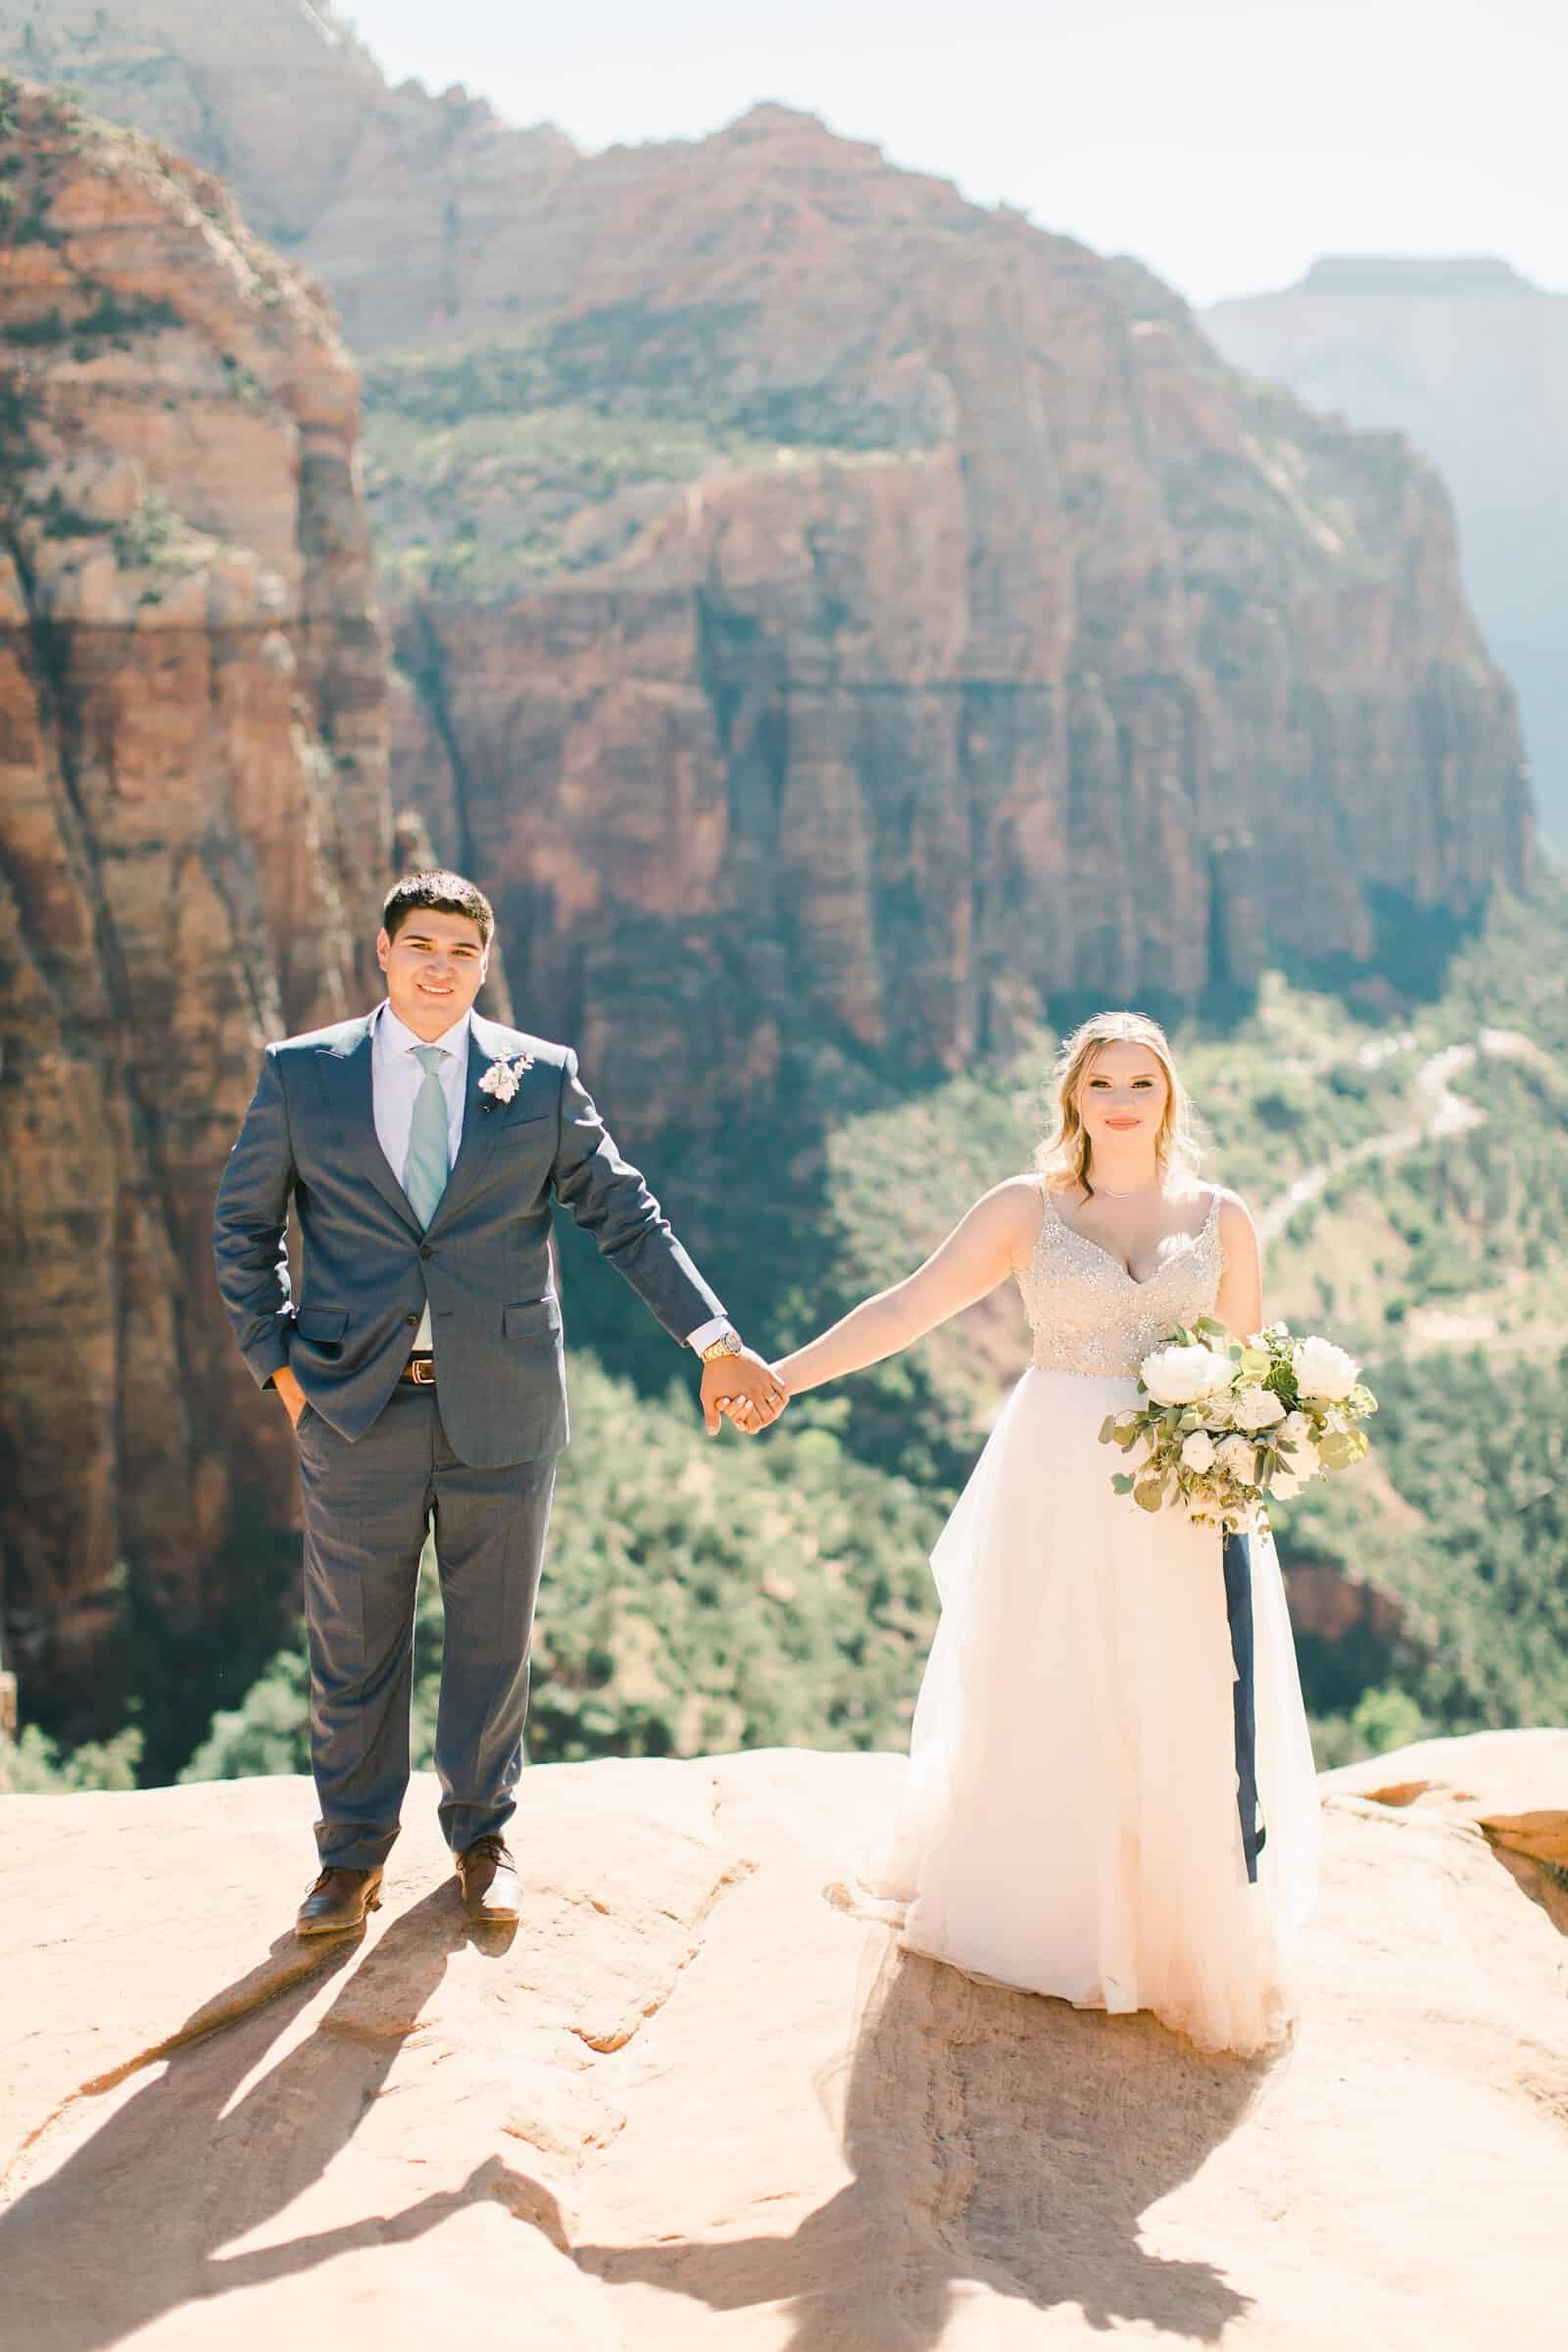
997 1233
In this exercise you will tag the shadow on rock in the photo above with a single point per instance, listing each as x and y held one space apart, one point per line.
131 2225
1000 2143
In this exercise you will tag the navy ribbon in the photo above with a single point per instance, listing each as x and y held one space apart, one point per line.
1239 1610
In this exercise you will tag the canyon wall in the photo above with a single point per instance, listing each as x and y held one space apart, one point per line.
1009 651
382 191
1471 360
194 832
827 605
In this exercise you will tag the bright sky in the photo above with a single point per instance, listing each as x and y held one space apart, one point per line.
1225 144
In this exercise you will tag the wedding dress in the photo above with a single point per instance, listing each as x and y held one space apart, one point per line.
1070 1820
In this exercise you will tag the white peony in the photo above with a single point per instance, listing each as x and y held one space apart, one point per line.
1258 1408
1198 1452
1294 1428
1323 1370
1178 1375
1237 1456
1285 1485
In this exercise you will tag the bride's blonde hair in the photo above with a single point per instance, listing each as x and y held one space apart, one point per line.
1066 1151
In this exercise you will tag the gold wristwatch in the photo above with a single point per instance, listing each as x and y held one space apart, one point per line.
729 1344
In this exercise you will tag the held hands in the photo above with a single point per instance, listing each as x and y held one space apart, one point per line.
742 1389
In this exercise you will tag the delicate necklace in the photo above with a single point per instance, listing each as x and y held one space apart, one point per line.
1130 1193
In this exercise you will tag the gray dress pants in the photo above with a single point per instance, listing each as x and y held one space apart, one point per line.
365 1507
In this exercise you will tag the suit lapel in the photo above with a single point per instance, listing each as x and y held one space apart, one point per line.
345 1074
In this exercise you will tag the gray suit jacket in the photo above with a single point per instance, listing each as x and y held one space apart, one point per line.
484 1263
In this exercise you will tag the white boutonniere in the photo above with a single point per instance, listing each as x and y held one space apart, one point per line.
503 1078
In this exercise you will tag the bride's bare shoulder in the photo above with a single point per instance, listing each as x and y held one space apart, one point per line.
1016 1205
1234 1217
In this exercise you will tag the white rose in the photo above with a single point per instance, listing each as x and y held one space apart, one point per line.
1198 1452
1322 1369
1237 1456
1294 1428
1178 1375
1285 1485
1258 1408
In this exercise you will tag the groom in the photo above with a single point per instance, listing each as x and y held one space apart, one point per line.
421 1366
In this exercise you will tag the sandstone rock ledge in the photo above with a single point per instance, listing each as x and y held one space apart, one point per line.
697 2099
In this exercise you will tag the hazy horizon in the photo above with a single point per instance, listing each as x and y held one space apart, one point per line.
1227 146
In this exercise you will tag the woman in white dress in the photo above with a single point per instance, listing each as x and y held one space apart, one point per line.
1070 1823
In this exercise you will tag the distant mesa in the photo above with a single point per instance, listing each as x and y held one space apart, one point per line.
1470 359
1413 273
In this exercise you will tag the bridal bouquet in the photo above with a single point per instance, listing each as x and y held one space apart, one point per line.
1231 1424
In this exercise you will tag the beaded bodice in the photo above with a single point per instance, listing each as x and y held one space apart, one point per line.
1089 1314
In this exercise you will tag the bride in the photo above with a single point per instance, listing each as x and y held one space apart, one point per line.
1071 1821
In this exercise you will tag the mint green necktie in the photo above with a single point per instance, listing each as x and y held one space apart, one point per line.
427 1179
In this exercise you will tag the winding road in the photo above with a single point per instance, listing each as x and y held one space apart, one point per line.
1442 1115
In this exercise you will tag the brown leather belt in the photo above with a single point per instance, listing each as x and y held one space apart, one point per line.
418 1372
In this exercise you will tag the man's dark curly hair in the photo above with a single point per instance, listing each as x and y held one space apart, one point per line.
440 891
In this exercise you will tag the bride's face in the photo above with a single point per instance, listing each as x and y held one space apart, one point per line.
1122 1095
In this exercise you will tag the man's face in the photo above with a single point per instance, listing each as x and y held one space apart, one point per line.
435 969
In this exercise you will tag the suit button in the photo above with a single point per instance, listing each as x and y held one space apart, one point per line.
412 1322
425 1250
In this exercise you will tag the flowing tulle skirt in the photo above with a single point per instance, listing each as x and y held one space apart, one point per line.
1070 1820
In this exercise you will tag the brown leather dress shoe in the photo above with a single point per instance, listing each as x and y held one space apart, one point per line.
340 1898
490 1892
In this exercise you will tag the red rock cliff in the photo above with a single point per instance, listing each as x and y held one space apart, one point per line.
1022 651
1471 360
193 831
820 597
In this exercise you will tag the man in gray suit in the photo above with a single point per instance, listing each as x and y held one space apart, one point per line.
422 1368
